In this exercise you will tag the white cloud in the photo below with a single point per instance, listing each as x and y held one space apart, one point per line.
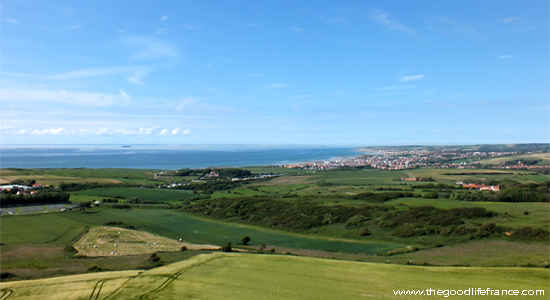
146 48
415 77
164 132
175 131
164 18
383 18
12 21
63 96
277 85
186 131
506 56
47 131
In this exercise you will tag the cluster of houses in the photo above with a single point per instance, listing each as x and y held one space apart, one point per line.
479 187
20 189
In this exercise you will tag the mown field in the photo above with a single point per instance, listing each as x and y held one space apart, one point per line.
245 276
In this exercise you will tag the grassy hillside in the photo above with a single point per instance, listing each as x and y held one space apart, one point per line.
242 276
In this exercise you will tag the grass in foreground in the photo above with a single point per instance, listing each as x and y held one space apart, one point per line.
245 276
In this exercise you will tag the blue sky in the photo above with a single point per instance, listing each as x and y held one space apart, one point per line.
274 72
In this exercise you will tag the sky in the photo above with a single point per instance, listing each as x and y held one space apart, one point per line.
274 72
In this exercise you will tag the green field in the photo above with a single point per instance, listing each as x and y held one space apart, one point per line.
543 157
129 193
39 245
245 276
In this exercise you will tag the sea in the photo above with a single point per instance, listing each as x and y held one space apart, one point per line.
166 157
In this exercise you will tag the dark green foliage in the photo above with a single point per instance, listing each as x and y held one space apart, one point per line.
95 268
40 198
6 275
517 193
364 232
211 186
245 240
429 215
227 247
20 181
430 195
121 206
356 221
382 197
73 186
154 258
278 213
233 173
529 233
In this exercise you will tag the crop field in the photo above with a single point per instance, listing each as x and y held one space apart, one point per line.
543 157
115 241
82 175
246 276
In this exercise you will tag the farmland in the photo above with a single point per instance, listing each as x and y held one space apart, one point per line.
365 215
245 276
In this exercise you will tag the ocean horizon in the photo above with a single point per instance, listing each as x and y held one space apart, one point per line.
170 157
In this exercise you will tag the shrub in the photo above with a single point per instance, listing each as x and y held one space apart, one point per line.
183 248
6 275
227 247
245 240
364 232
95 268
154 258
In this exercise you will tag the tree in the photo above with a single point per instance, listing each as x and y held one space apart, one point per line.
227 247
245 240
154 258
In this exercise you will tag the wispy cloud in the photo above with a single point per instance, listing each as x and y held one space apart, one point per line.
383 18
147 48
297 28
135 74
93 72
392 88
63 96
506 56
74 27
277 85
11 21
415 77
509 20
451 25
137 77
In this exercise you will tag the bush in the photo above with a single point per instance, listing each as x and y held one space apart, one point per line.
529 233
183 248
42 197
245 240
364 232
227 247
154 258
6 275
95 268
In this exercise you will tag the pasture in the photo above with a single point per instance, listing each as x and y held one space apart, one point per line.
246 276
